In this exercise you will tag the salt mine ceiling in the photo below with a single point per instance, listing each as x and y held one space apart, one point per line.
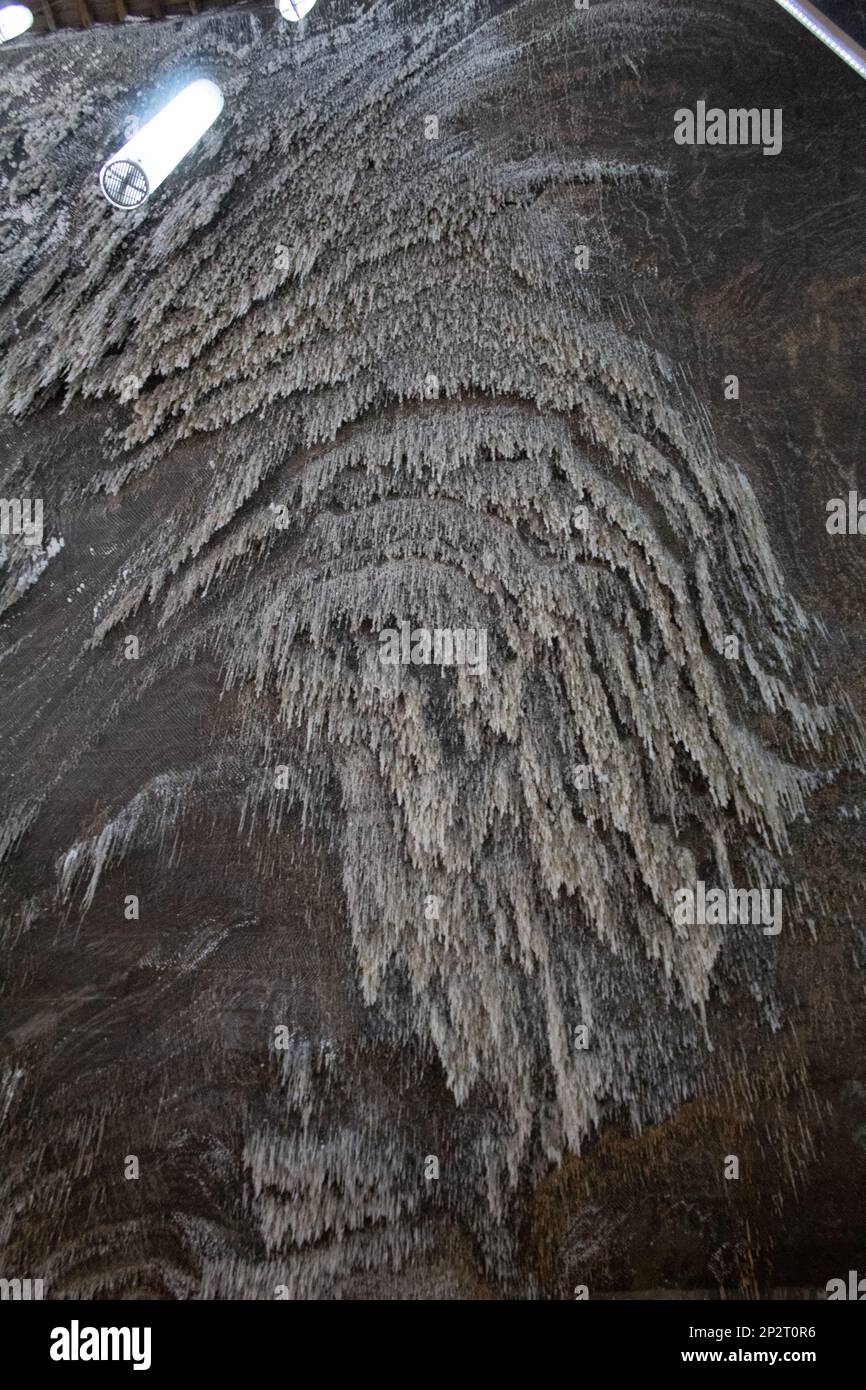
432 651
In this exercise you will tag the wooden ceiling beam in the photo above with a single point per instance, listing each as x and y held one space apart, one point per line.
88 16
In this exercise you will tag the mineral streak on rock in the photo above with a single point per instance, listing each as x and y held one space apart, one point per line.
333 376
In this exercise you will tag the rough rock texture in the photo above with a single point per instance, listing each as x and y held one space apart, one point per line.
335 375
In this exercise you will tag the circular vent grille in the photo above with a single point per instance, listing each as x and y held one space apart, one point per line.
124 183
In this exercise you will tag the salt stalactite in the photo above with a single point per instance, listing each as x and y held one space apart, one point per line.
155 806
282 309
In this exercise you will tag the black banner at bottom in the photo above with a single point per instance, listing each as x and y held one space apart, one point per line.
161 1339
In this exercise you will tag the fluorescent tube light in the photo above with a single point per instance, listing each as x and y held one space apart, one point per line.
829 33
293 10
14 20
141 165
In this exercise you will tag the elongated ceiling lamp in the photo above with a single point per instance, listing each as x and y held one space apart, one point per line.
829 33
141 165
293 10
14 20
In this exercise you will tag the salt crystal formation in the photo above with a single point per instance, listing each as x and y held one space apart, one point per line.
333 376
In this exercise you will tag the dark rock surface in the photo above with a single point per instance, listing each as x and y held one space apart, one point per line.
334 375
